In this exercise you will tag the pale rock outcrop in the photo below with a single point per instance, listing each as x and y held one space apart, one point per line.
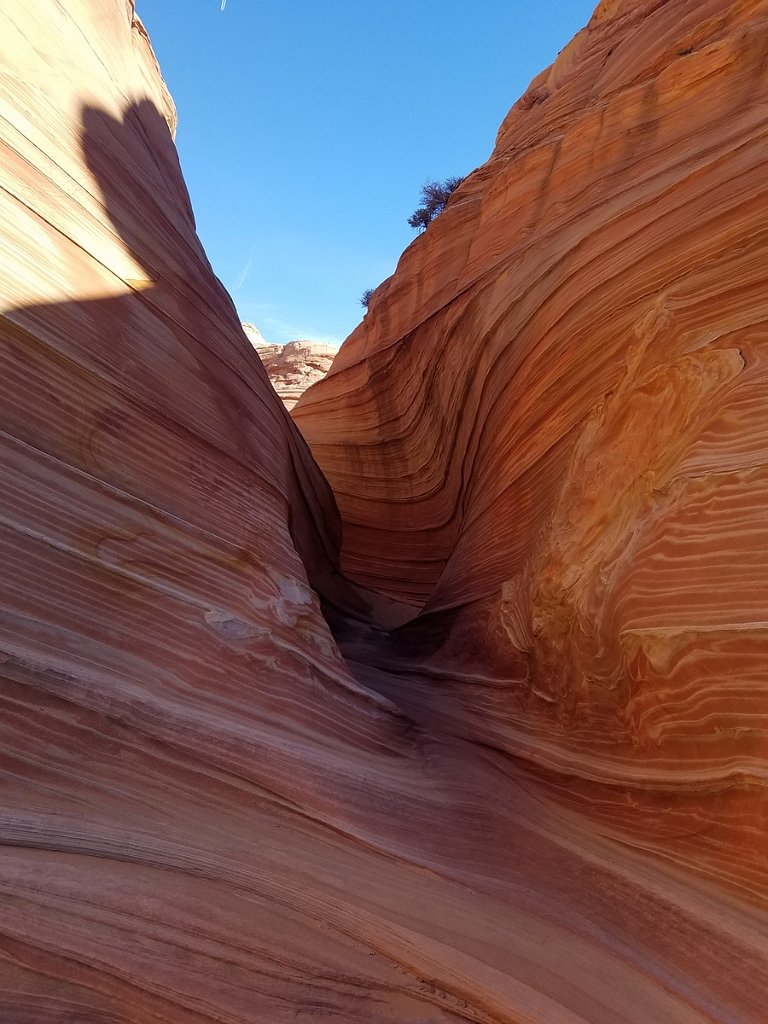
293 367
204 815
296 366
254 335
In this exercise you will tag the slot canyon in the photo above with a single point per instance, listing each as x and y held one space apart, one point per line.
444 696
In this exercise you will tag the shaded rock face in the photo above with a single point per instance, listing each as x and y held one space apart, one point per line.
208 814
293 367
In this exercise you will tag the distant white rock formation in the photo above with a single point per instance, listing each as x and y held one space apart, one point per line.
294 367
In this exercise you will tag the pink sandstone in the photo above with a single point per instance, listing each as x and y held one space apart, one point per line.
543 800
549 439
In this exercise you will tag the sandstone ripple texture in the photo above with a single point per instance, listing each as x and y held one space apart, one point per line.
531 788
549 439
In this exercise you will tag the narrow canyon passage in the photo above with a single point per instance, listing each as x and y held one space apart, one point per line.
548 434
455 711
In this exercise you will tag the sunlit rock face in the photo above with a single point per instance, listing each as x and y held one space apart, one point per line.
204 817
292 367
550 433
254 335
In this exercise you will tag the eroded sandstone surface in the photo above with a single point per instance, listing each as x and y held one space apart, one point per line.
582 517
541 800
293 367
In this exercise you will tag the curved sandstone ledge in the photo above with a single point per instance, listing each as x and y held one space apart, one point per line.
208 815
549 436
614 238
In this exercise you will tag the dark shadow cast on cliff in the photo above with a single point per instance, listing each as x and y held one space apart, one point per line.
151 362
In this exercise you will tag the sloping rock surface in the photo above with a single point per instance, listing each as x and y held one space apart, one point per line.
254 335
205 816
550 437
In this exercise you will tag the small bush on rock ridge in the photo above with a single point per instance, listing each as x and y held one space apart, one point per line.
365 298
434 196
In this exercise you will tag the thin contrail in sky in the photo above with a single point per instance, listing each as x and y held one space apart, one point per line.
242 277
223 4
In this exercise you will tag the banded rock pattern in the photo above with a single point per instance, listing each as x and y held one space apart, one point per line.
582 519
293 367
205 816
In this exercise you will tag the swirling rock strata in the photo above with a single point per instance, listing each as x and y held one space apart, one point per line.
549 436
205 817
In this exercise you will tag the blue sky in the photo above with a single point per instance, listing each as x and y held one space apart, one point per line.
307 127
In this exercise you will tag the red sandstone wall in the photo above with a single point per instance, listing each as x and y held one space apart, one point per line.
552 427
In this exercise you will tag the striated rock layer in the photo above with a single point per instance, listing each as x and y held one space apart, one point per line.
205 817
293 367
549 436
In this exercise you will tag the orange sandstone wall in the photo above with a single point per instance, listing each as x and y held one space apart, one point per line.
203 816
608 258
550 432
187 768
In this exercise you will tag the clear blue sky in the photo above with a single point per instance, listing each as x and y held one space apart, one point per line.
307 127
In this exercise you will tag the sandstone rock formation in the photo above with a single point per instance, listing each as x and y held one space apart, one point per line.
293 367
254 335
580 519
206 816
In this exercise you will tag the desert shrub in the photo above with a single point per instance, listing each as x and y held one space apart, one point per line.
365 298
434 197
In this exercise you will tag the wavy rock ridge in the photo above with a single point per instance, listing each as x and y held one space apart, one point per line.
582 516
206 817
